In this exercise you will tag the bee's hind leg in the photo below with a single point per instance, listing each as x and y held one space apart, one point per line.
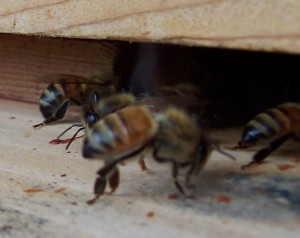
265 152
59 114
175 167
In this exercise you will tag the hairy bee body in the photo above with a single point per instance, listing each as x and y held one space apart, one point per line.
174 136
120 133
55 94
272 124
275 126
178 136
71 90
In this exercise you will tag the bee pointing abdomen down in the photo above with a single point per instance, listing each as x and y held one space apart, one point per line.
55 94
276 125
68 90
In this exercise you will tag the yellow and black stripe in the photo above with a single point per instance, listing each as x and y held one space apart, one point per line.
120 133
55 94
272 124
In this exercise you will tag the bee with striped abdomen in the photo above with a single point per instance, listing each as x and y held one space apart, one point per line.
276 125
99 109
111 103
175 137
71 89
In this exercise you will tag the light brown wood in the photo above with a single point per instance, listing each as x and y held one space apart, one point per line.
249 24
44 190
25 60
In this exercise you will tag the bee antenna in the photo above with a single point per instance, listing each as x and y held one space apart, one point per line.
66 130
74 136
217 148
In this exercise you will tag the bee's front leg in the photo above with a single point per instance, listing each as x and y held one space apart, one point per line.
99 188
108 172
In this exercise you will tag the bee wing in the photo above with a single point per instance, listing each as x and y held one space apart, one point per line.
59 78
156 104
101 78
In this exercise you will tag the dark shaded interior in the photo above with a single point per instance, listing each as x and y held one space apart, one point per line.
237 84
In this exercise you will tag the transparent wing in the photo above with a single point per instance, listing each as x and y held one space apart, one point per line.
99 78
158 103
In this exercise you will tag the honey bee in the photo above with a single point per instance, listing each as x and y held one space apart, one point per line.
98 109
181 95
174 136
69 90
276 125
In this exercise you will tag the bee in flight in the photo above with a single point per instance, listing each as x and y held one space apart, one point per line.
174 136
276 125
66 90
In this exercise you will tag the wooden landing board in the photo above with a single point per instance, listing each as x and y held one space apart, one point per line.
249 24
44 190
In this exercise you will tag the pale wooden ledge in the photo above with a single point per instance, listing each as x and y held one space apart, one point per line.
44 190
250 24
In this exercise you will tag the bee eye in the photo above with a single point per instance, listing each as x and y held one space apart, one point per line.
95 98
92 118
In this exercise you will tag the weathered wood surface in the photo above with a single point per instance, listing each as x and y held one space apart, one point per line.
26 60
44 190
249 24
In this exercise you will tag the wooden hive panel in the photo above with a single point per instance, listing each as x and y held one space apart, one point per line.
251 24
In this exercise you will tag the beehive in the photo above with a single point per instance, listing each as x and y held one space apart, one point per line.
44 188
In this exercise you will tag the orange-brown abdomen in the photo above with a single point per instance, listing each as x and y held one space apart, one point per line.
122 132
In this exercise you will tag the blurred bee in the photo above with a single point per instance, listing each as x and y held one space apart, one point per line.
175 137
276 125
98 109
66 90
184 95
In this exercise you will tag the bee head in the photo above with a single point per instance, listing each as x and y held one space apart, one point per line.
91 118
250 137
88 151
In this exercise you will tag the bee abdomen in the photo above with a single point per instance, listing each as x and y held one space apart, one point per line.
122 132
272 123
51 99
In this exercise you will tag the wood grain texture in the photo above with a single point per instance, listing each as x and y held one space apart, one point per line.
26 59
44 190
249 24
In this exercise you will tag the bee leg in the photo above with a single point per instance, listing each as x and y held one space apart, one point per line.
74 136
141 161
240 146
189 174
59 114
176 182
114 180
174 171
142 164
264 153
99 188
108 172
66 130
296 137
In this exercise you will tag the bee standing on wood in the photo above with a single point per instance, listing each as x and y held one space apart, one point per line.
184 95
67 90
175 137
276 125
98 109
